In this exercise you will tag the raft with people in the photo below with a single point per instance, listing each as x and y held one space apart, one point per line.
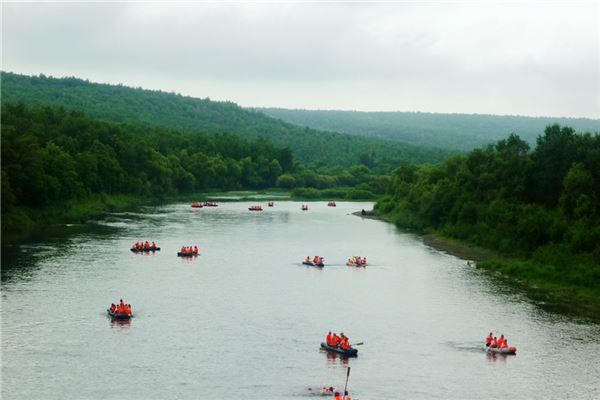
331 204
120 311
196 204
149 249
339 344
140 247
255 208
270 204
315 262
188 251
304 207
210 204
357 261
498 345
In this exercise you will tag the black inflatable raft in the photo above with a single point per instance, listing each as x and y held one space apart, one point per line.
145 250
180 254
312 264
346 353
115 315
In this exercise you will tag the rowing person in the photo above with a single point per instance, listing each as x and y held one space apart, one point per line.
307 259
489 339
494 343
335 340
195 249
501 341
345 344
328 338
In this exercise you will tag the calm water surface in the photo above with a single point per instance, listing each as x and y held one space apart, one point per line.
245 319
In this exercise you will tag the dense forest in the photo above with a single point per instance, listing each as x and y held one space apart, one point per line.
53 156
540 205
449 131
121 104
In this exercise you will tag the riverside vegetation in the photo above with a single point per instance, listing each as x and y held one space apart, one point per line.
62 166
539 210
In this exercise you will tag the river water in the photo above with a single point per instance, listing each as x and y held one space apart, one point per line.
245 319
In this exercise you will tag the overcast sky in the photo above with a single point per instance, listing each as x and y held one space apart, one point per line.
526 58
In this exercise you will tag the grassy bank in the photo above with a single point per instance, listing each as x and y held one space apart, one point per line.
553 276
20 222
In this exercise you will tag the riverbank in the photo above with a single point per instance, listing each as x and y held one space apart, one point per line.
554 290
19 223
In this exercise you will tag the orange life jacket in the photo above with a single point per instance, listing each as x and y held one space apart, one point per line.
345 345
488 340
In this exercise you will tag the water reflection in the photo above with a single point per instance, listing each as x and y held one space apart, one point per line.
120 324
332 359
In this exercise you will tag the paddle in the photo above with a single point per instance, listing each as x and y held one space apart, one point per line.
358 344
346 385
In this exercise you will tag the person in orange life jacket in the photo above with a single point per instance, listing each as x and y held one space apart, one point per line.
113 307
504 344
121 306
494 343
335 340
328 339
182 249
153 245
338 396
345 344
195 249
489 339
501 341
316 259
307 259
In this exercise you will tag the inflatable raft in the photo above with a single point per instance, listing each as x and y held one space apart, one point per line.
504 350
180 254
145 250
356 264
115 315
312 264
346 353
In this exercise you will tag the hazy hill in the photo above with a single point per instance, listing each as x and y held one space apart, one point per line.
450 131
119 103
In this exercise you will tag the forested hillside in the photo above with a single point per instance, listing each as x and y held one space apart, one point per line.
118 103
448 131
58 158
541 206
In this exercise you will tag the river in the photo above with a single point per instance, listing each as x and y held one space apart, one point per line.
245 318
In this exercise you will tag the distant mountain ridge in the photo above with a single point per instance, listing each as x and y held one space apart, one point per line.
118 103
450 131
